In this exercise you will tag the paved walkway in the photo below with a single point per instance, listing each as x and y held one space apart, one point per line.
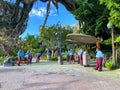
51 76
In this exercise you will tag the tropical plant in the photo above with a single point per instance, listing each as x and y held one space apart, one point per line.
2 60
114 11
94 16
110 64
49 37
14 20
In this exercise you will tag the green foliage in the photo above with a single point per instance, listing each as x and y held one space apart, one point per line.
114 11
94 16
110 64
43 57
30 43
107 42
13 58
64 58
117 39
1 53
2 59
13 51
2 39
54 58
49 37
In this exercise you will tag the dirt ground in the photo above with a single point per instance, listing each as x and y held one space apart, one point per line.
51 76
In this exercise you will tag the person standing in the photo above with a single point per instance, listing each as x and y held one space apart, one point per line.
48 53
29 57
20 56
38 55
80 59
67 55
71 57
99 59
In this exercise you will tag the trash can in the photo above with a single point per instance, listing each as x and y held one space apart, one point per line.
86 59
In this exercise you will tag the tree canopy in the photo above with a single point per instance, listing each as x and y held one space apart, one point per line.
49 37
93 14
114 11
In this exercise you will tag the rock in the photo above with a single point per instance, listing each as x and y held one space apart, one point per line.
8 62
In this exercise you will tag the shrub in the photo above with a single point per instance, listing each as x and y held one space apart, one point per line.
1 53
54 58
110 64
2 59
13 58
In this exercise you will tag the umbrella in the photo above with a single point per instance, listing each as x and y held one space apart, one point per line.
82 38
72 41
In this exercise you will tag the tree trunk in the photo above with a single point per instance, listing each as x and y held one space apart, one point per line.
113 46
13 21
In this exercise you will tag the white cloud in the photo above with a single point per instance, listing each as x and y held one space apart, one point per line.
38 12
41 12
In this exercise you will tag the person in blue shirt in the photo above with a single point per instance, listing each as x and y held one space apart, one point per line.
80 53
20 56
67 55
38 55
71 56
99 59
29 57
48 53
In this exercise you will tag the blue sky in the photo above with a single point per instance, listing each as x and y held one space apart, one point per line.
37 16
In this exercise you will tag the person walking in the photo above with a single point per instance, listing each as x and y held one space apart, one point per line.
67 55
29 57
80 59
38 55
48 53
99 59
71 57
20 56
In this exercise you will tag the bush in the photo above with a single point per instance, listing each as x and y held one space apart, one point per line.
54 58
13 58
2 59
1 53
110 64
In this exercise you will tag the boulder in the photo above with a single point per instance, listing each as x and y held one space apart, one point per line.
8 62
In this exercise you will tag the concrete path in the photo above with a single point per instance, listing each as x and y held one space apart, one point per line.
51 76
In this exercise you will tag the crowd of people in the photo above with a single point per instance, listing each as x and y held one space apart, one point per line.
29 56
82 56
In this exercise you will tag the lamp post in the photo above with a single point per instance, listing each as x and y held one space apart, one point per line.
59 44
109 25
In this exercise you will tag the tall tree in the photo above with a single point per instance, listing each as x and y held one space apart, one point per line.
14 15
13 19
49 37
114 11
94 16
